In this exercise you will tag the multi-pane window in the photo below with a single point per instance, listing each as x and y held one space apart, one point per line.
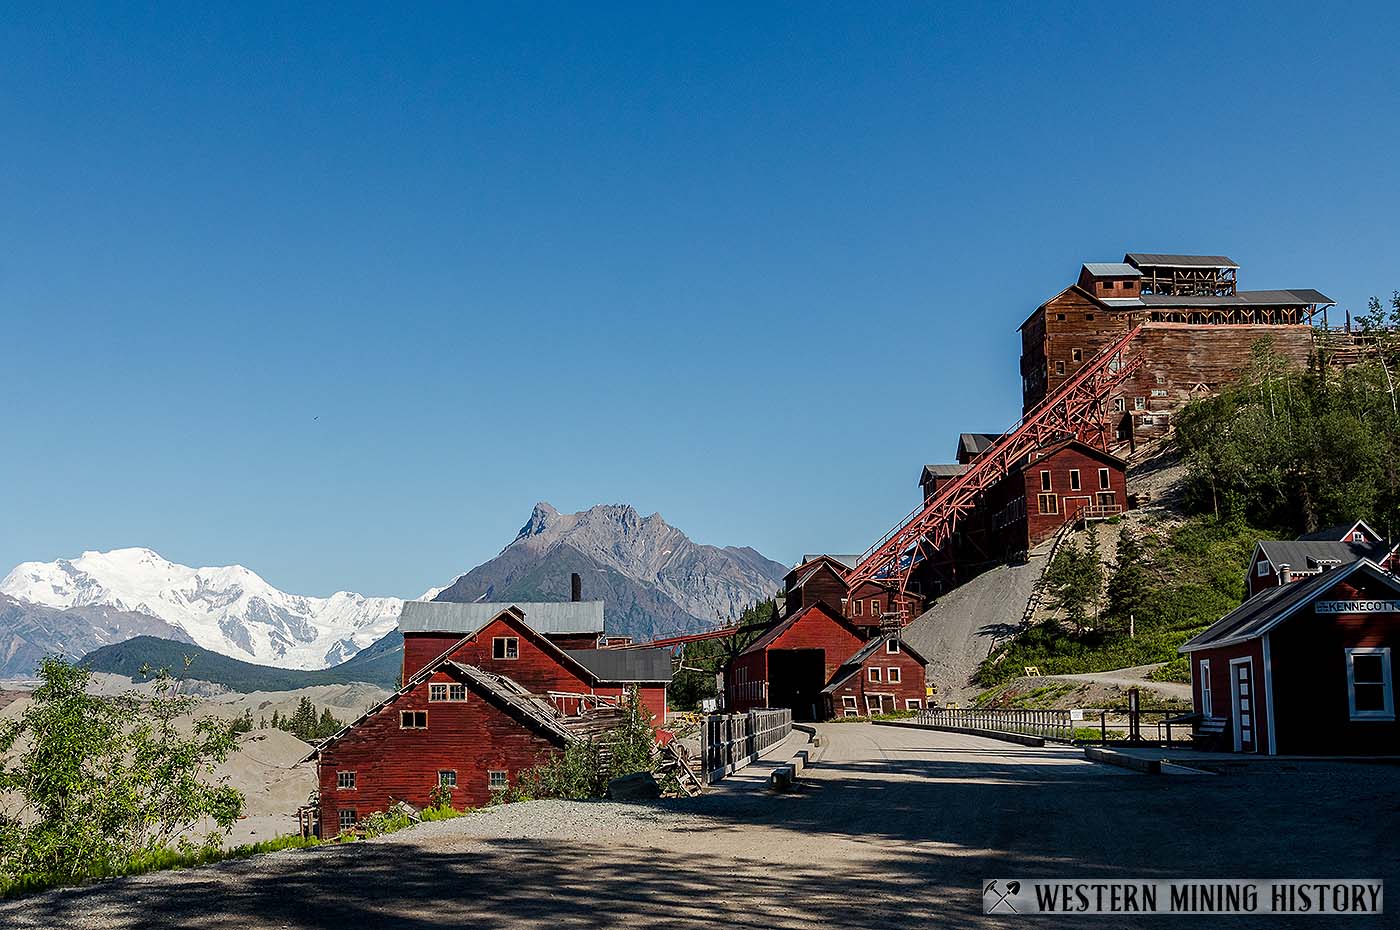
413 719
345 781
505 647
495 780
1369 686
848 706
447 778
1049 503
447 691
348 819
1139 403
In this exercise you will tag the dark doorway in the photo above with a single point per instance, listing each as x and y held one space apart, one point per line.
795 679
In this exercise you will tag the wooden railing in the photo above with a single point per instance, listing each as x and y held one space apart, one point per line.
728 742
1048 724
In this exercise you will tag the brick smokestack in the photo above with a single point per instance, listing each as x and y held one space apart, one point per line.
575 587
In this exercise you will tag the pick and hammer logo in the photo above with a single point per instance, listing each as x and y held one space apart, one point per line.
995 895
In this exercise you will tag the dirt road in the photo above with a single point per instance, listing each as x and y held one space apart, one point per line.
895 828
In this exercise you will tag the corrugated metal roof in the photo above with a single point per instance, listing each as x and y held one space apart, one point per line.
1166 260
1303 554
850 561
1276 298
853 665
1263 612
625 665
944 471
545 617
975 443
1112 270
1121 302
534 710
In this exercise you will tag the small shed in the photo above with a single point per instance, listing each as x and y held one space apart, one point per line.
1304 668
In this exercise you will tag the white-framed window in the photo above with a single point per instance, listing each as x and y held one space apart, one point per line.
913 704
1203 670
1103 479
859 606
1059 368
345 781
496 779
348 818
1370 690
1120 405
1358 536
1074 479
413 720
891 646
1049 503
505 647
874 703
447 778
1139 403
874 607
1076 355
1263 568
872 673
892 674
447 691
848 706
1045 481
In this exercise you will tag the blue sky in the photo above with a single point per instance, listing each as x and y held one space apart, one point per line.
338 294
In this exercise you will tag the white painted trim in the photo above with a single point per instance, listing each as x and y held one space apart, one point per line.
1235 704
1203 686
1387 713
1269 695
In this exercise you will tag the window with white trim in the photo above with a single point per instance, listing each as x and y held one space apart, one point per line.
859 606
1370 691
348 819
1139 403
496 779
1074 479
891 646
447 691
872 673
447 778
875 703
848 706
505 647
913 704
1045 481
1358 536
874 607
1048 503
1263 568
1204 672
892 674
1103 479
345 781
413 720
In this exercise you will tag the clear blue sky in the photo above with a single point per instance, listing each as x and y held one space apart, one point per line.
339 294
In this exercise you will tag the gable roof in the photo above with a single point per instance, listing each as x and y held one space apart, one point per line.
480 679
1263 612
1301 555
1112 270
975 444
1084 447
942 471
767 639
547 617
855 663
848 560
625 665
1340 533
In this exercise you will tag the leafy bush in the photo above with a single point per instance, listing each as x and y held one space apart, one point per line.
107 784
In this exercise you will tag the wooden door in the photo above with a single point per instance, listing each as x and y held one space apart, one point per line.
1244 704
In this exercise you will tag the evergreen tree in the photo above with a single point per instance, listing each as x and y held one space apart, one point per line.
1128 584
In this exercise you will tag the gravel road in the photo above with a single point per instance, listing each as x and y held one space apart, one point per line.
894 828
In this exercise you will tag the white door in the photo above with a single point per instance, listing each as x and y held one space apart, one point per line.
1243 704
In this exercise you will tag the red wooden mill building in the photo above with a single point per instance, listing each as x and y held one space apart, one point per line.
1305 668
489 690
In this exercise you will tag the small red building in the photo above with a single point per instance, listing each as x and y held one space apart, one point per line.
790 664
1282 561
1304 668
453 725
885 675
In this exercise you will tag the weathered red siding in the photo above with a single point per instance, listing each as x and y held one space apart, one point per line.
472 737
910 688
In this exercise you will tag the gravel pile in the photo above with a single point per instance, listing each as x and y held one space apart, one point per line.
575 820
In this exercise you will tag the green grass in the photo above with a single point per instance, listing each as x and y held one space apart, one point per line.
1198 576
1178 669
893 715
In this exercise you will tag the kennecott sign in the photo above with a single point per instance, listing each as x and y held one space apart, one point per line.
1358 607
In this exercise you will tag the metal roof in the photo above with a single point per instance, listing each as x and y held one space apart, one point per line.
1339 533
1277 298
1263 612
557 617
1165 260
1112 270
625 665
975 443
850 561
943 471
1304 554
853 665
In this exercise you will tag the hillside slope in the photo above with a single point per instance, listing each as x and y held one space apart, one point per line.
28 632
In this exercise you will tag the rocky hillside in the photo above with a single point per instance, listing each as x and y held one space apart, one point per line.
28 632
652 577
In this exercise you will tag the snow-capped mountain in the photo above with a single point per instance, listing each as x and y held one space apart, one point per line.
229 610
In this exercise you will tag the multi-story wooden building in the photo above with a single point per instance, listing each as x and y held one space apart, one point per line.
1198 332
1287 561
886 675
